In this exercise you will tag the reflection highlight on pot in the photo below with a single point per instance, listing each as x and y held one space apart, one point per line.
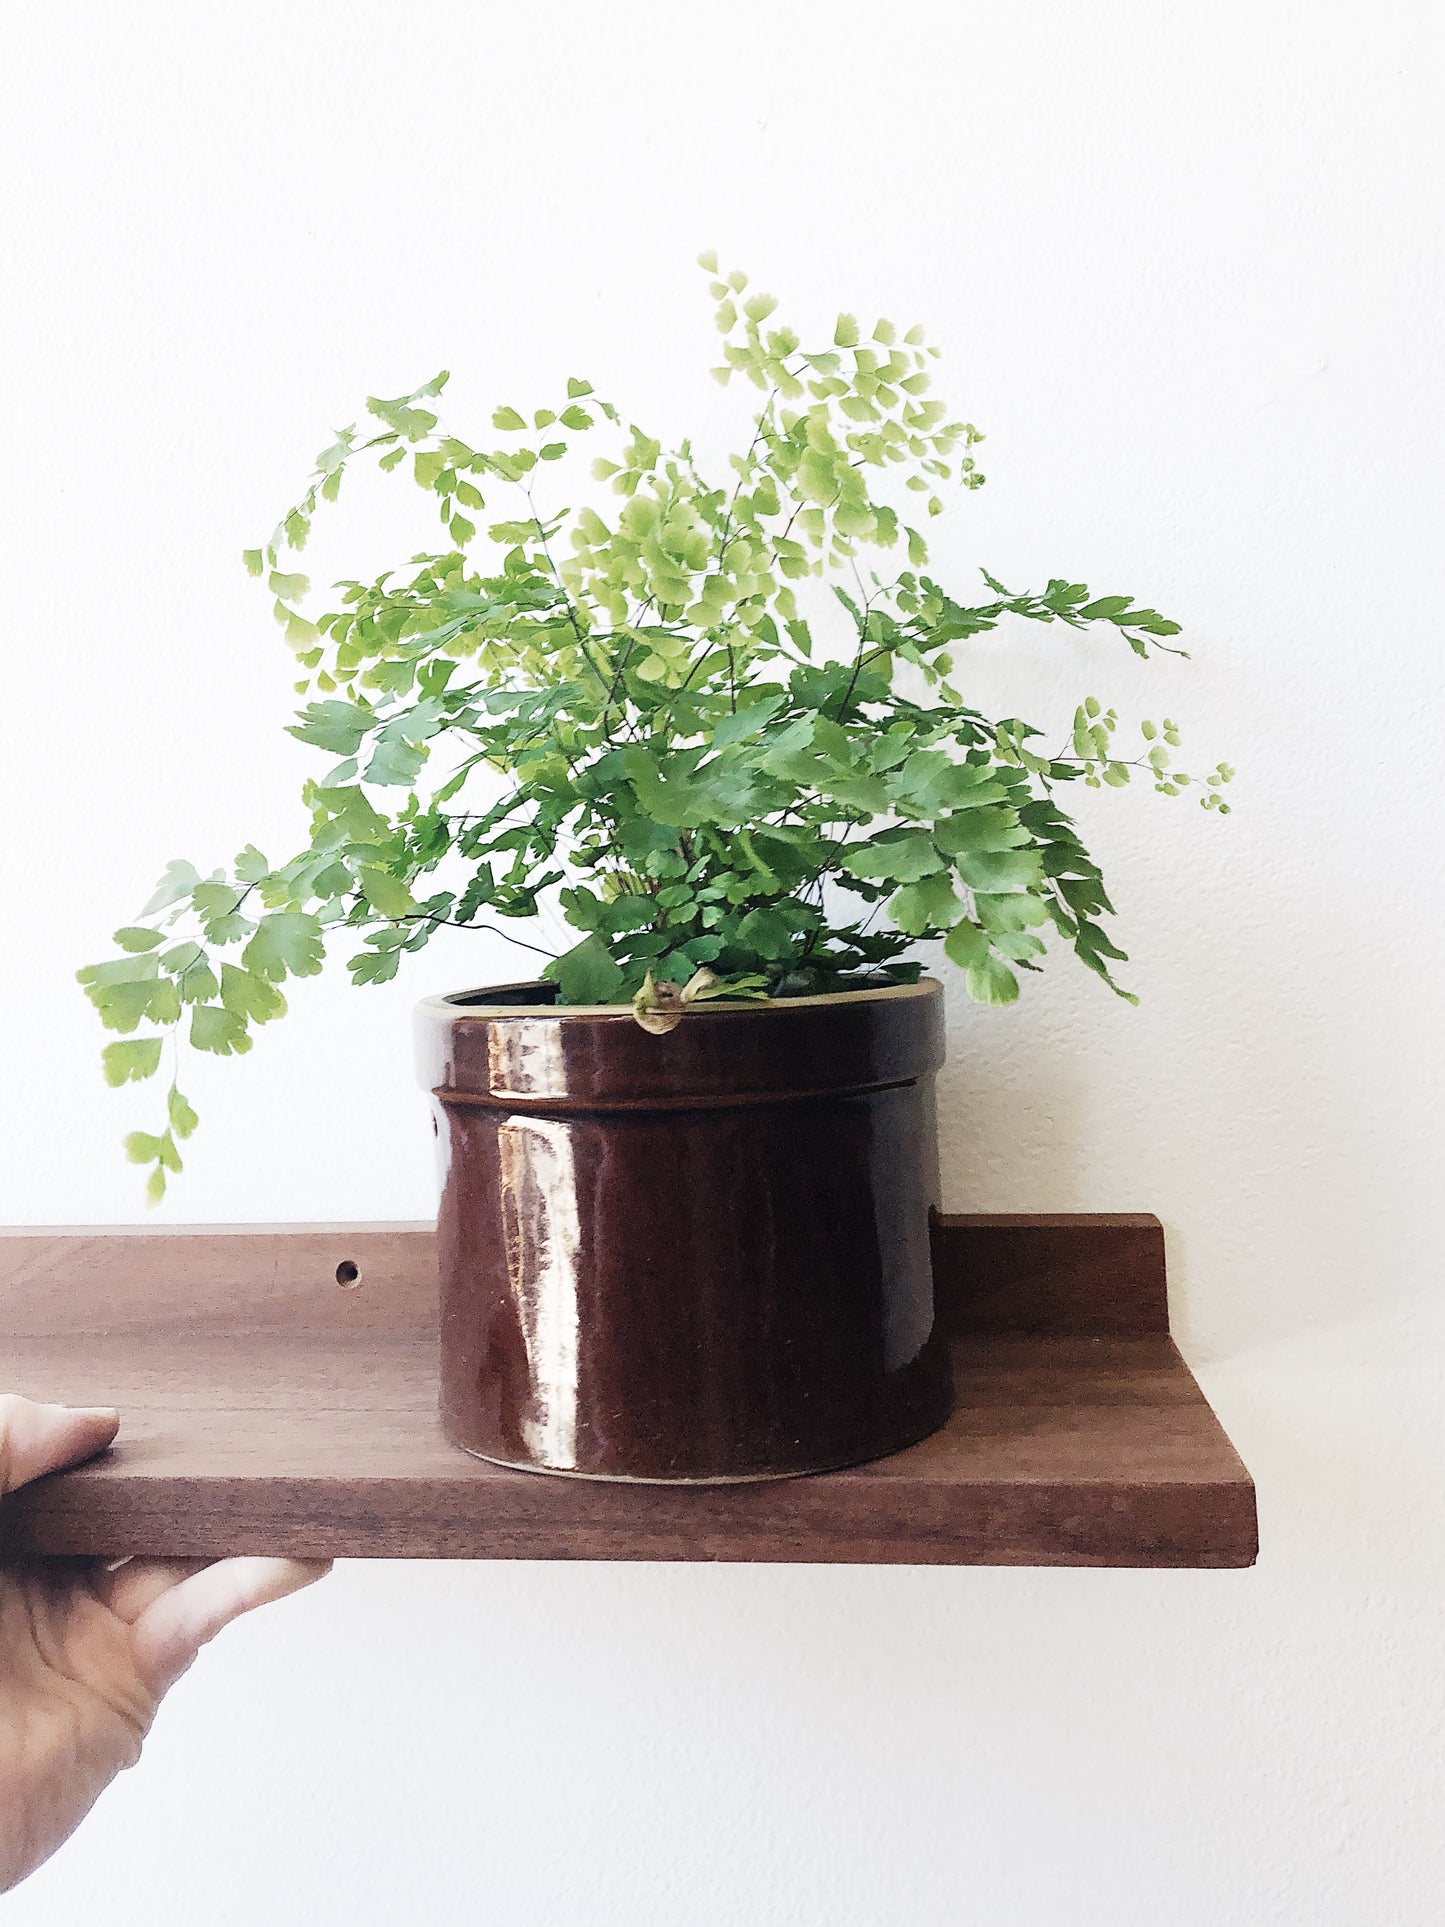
525 1059
543 1235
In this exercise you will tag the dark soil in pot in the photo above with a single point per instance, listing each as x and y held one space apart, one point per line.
702 1256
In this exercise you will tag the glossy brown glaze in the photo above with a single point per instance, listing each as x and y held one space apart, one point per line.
701 1256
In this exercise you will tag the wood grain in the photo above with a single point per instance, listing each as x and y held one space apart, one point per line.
269 1410
1098 1274
217 1278
1092 1274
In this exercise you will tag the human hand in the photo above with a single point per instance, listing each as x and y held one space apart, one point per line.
89 1648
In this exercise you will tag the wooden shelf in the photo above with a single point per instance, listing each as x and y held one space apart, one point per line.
268 1408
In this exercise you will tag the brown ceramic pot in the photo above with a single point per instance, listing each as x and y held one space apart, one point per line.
687 1258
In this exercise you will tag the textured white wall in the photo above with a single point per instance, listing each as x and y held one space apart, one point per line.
1188 265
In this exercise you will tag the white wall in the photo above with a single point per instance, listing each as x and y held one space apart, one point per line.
1188 265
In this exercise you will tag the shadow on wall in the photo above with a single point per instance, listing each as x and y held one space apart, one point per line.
1293 1218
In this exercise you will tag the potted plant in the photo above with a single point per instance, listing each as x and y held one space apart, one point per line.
689 1166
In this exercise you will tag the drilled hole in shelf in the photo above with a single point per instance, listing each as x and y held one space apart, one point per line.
348 1275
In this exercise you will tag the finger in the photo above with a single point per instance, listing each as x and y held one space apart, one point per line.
35 1439
133 1585
171 1631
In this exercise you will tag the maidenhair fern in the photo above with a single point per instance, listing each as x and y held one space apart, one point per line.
631 711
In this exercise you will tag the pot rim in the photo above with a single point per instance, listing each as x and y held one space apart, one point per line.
444 1005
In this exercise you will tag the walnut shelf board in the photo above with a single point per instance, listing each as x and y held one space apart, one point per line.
267 1409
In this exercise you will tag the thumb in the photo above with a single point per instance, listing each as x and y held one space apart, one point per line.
35 1439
